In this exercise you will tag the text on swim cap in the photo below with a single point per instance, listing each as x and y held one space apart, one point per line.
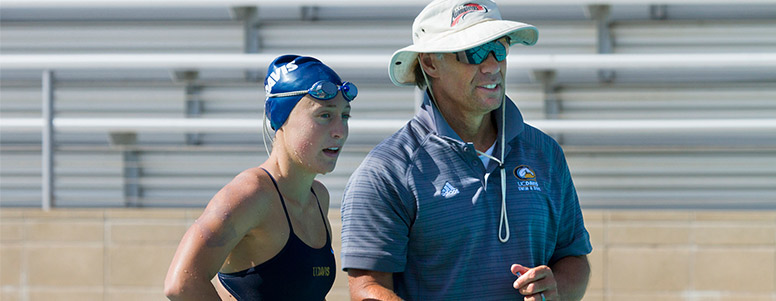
273 77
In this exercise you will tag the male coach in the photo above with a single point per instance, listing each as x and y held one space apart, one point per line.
465 201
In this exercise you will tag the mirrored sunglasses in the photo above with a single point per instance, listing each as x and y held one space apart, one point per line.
324 90
477 55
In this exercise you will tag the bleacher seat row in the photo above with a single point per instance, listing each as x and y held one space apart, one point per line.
668 104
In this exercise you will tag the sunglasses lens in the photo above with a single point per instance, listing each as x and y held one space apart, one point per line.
480 53
499 51
323 90
349 91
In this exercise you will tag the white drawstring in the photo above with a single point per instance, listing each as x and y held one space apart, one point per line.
503 219
503 172
503 222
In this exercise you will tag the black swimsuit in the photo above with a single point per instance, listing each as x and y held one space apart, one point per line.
298 272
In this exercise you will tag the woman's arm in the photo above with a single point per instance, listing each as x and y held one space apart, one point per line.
228 217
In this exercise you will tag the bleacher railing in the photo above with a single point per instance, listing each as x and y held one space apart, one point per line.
287 3
361 61
50 123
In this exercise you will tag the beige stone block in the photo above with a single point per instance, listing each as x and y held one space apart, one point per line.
597 268
596 232
150 232
95 213
65 230
192 214
646 215
145 213
647 269
740 270
646 297
647 233
65 265
735 235
744 216
10 295
338 294
11 230
762 297
727 296
744 297
724 296
134 295
334 215
591 295
10 266
11 213
64 295
593 216
144 265
340 286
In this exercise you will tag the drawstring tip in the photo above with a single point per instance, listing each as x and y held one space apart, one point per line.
503 220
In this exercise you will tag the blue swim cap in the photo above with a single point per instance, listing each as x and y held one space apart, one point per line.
289 73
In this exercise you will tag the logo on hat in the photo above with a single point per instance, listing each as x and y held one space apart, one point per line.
461 11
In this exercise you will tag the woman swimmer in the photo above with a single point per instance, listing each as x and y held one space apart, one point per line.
266 234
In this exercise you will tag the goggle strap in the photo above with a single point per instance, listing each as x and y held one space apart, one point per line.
285 94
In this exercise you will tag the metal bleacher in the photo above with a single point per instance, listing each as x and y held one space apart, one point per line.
658 104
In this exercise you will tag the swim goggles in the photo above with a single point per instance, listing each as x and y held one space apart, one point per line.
477 55
324 90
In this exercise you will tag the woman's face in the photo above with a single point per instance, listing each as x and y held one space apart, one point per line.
315 132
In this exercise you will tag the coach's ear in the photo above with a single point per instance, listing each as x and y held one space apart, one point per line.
430 63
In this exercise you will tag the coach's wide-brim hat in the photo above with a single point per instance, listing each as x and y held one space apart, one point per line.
455 25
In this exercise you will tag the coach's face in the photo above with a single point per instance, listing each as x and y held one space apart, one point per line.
472 88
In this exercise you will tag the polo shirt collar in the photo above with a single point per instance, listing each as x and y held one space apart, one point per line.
432 117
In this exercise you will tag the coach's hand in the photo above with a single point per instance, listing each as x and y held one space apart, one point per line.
536 284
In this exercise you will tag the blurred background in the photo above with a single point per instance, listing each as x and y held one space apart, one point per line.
119 120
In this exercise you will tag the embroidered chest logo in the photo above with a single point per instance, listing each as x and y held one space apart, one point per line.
526 179
448 190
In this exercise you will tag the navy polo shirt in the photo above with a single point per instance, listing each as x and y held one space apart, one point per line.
423 207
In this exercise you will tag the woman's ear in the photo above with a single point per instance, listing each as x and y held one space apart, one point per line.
430 64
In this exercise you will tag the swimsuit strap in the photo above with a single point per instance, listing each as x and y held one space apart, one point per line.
281 199
322 216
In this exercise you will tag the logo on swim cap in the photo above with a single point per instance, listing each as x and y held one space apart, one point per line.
273 77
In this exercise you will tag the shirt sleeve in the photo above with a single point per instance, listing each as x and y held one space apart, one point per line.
573 238
376 217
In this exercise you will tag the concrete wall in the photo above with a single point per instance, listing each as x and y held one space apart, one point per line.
123 254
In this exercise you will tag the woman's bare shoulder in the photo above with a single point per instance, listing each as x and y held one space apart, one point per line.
246 198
